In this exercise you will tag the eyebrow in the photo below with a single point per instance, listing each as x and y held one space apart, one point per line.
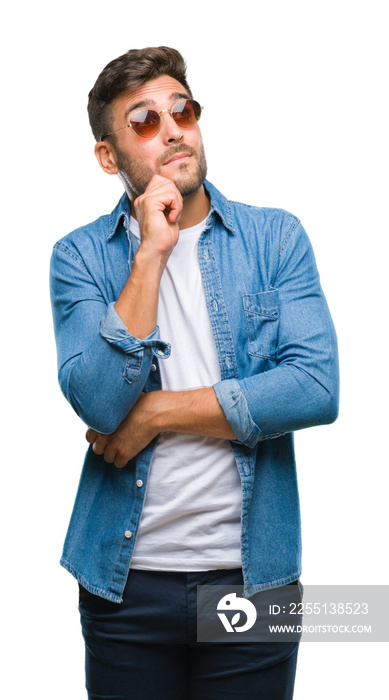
151 103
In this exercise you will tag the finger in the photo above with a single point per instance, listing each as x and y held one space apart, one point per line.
121 461
162 189
117 453
174 204
100 444
156 187
91 435
155 182
110 454
175 214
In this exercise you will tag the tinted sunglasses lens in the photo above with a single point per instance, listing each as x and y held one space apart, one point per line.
186 113
146 123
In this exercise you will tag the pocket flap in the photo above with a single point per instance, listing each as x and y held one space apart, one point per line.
264 303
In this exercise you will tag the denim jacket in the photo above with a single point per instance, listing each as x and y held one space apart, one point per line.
277 351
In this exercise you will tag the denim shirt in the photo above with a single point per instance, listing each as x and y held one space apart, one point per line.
277 351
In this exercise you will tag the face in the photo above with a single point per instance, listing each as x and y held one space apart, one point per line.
138 159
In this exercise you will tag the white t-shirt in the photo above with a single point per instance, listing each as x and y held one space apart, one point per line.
192 511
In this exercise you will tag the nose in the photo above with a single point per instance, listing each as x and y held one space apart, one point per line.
170 131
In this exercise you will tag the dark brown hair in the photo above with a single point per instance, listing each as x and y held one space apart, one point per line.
129 72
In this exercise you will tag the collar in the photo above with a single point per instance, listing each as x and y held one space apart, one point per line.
220 205
120 214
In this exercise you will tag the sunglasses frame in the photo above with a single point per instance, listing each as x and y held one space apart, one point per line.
129 126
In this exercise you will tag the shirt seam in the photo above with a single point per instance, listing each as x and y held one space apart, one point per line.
70 254
289 234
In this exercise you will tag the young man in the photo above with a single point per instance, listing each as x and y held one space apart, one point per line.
193 338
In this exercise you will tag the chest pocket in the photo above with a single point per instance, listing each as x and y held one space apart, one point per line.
262 321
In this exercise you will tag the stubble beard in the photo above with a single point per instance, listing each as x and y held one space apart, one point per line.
136 175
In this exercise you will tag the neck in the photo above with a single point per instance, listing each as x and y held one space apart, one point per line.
196 208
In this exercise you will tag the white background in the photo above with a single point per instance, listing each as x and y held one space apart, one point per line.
296 116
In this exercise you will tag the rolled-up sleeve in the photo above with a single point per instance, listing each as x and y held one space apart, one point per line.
115 332
302 389
102 368
233 402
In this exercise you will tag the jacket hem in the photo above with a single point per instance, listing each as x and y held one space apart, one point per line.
258 587
89 587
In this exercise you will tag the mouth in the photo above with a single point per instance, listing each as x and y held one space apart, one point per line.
183 155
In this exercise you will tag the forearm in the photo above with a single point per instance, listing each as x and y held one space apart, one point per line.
137 305
158 211
195 412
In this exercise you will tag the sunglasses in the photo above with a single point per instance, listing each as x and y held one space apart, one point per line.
148 122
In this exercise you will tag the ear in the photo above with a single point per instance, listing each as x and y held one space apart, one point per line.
106 156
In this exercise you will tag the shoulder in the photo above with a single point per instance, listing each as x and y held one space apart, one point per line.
267 221
86 235
254 221
93 238
268 231
82 248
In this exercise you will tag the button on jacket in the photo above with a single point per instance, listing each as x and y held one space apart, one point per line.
277 351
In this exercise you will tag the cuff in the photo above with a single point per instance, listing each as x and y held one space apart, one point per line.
115 332
235 408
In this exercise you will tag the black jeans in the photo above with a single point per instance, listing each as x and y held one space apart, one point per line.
146 649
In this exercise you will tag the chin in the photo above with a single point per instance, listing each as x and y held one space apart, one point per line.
190 184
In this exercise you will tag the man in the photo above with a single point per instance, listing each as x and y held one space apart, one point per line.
193 337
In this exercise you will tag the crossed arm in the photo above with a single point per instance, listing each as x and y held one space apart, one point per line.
195 412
